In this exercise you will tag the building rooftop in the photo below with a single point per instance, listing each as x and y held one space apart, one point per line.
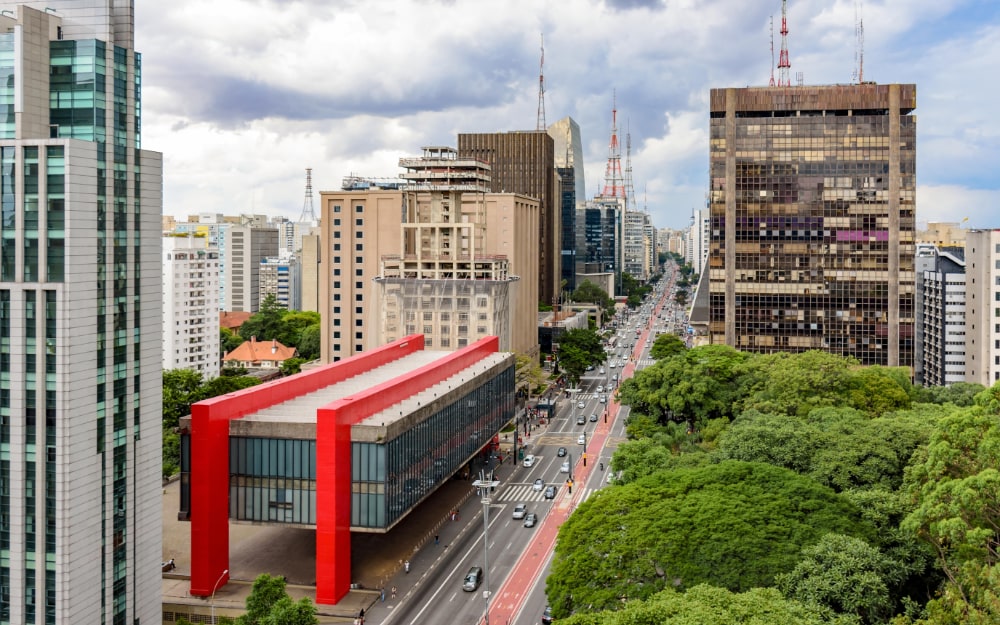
302 409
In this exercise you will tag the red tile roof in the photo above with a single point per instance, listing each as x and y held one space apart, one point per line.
232 320
261 352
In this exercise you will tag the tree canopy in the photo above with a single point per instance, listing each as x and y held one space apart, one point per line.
735 525
269 604
578 349
292 328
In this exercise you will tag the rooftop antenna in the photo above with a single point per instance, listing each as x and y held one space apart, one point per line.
541 89
772 52
859 44
308 214
783 64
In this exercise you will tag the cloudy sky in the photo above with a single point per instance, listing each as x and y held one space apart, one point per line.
242 95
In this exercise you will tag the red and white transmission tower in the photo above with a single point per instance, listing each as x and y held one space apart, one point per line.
783 64
541 90
308 214
613 182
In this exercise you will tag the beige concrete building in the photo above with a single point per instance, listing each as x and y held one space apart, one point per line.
982 297
310 264
360 228
942 234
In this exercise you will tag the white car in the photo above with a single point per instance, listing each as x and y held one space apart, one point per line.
600 389
564 468
581 405
520 510
529 461
602 370
581 439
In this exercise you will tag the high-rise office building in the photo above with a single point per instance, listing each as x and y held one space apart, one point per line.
524 162
191 305
812 220
245 246
982 299
80 320
282 278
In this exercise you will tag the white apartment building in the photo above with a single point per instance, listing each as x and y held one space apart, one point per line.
940 331
245 247
191 305
982 306
697 244
80 321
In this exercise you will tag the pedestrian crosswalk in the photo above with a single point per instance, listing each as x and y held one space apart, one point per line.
646 362
524 493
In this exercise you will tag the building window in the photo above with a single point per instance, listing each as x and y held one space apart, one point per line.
336 334
358 323
359 208
359 272
336 208
359 247
359 285
361 222
357 298
336 222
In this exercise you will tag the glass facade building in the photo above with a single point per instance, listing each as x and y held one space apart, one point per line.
812 220
80 296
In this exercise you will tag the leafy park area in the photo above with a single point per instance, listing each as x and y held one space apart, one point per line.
788 489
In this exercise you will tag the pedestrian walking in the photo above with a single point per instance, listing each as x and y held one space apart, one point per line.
382 593
393 592
436 537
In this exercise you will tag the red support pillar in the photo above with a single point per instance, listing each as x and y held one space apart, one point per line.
209 499
333 505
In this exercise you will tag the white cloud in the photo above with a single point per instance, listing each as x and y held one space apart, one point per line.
242 95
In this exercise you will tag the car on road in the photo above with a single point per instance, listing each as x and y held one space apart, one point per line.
472 579
581 439
581 420
550 492
581 405
529 461
561 452
538 485
530 520
520 510
547 616
593 418
604 399
601 371
564 468
600 389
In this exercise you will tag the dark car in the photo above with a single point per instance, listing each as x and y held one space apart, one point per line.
472 579
581 420
547 616
530 519
550 492
561 452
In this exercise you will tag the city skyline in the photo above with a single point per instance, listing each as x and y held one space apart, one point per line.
241 97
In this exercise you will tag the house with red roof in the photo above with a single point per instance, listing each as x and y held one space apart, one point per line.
254 354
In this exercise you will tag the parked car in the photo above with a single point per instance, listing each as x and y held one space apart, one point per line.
561 452
550 492
472 579
538 485
529 461
565 467
520 510
530 520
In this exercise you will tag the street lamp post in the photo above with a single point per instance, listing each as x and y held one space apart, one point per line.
486 486
214 588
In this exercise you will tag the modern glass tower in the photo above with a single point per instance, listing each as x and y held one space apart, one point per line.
80 320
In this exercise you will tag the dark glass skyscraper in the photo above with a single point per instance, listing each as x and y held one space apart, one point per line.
812 220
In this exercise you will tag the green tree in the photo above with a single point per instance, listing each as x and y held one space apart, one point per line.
955 483
700 384
709 605
222 385
528 375
845 574
309 342
735 525
292 366
794 384
589 292
579 349
269 604
960 393
875 391
265 324
293 323
228 341
179 388
665 346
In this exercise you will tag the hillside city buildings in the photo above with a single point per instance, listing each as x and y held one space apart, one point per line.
81 310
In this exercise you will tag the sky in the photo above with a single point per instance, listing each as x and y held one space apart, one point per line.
241 96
